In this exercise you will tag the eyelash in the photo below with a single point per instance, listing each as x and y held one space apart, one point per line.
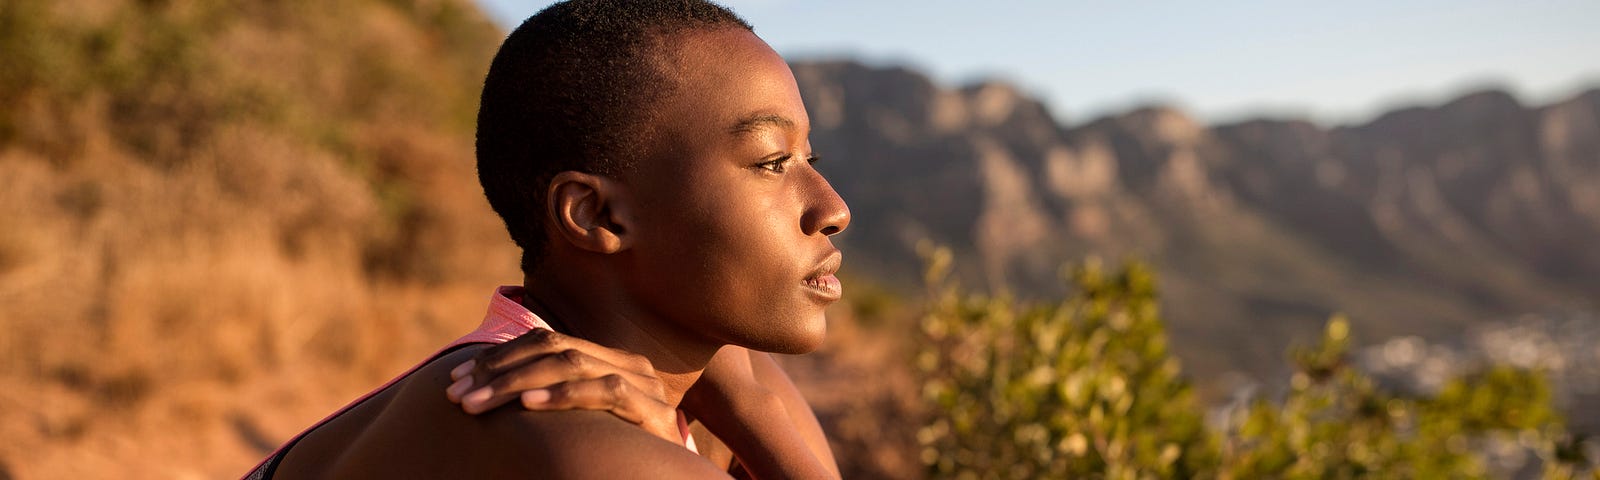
777 165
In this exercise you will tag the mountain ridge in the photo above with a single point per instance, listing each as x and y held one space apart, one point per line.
1419 221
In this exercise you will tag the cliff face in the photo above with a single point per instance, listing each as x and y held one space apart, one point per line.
1419 222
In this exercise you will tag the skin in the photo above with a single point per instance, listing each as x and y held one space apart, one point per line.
719 238
752 408
762 418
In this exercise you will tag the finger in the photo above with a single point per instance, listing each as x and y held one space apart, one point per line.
540 341
610 393
463 369
488 363
537 342
569 365
456 390
537 372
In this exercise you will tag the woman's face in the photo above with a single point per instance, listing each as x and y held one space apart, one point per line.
732 220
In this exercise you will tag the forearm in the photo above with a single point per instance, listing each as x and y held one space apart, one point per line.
758 428
800 415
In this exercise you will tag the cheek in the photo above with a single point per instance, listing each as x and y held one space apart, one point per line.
732 266
744 249
736 258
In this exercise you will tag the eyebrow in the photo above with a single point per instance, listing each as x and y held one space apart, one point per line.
759 121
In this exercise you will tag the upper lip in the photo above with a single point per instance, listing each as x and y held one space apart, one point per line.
828 266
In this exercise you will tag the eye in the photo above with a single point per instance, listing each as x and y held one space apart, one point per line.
776 165
813 159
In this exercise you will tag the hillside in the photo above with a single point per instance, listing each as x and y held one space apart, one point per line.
220 220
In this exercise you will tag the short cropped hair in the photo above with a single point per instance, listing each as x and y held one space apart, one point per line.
575 88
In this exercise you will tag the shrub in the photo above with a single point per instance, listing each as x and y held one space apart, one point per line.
1086 388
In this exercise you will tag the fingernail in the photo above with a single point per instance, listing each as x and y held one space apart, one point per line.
478 396
458 388
535 396
463 369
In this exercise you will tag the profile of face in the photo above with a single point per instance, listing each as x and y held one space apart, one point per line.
731 233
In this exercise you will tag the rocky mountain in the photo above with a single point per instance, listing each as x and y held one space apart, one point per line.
1420 222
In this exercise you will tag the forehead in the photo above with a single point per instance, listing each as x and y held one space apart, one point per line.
731 84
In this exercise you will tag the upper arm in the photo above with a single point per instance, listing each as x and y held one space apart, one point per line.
421 433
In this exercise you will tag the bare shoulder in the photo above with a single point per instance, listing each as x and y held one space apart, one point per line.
413 431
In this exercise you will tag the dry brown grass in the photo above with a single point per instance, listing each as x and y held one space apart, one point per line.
211 243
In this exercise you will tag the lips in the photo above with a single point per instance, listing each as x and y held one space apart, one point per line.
827 285
822 282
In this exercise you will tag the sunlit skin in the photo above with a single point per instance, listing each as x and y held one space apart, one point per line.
719 237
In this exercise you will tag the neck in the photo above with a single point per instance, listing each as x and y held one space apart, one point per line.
601 313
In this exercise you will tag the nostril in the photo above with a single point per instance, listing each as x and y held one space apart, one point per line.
830 230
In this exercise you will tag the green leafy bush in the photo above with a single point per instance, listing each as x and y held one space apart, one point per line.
1086 388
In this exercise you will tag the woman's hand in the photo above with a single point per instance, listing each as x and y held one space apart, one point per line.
547 370
743 397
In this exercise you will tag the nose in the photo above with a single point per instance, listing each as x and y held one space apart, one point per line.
826 212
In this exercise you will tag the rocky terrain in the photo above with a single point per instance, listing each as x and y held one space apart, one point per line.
1422 221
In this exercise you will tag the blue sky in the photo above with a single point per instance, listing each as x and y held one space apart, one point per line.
1336 62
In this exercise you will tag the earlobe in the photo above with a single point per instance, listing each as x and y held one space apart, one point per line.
588 211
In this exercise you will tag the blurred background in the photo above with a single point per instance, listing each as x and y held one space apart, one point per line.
222 219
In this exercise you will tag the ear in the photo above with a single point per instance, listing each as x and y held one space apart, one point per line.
589 211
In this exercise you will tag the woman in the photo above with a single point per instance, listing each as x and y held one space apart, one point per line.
651 159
